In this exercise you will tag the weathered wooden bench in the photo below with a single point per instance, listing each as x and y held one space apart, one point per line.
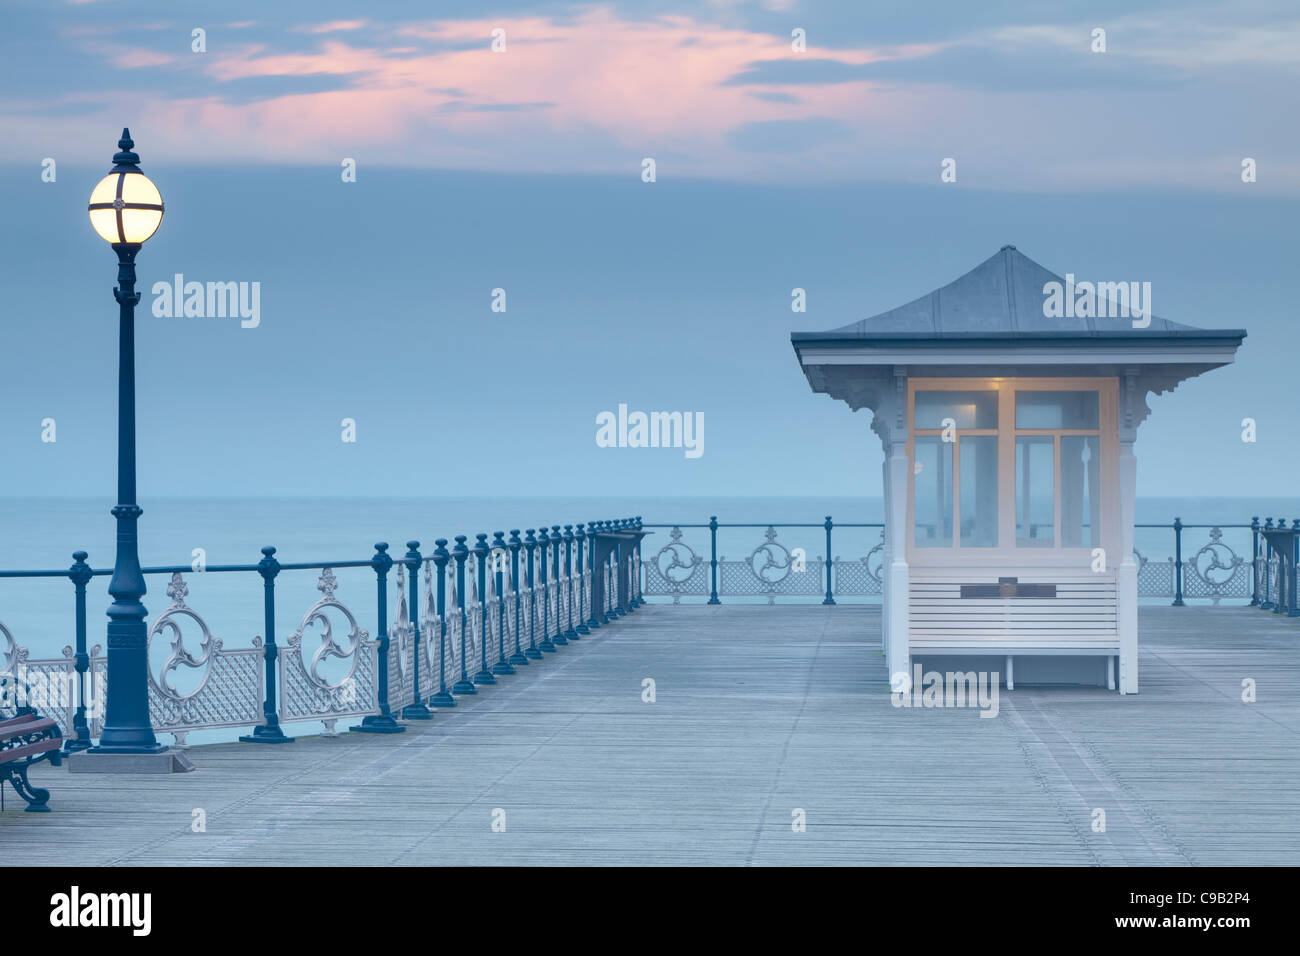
24 740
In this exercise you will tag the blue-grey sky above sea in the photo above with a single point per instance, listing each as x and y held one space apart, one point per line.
522 170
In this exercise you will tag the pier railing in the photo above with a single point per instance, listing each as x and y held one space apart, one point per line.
833 562
462 616
465 615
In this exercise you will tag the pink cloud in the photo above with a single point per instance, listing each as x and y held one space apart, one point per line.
135 58
334 26
597 94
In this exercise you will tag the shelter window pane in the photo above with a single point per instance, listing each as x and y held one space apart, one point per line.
1056 409
932 492
1035 490
1080 501
968 408
979 491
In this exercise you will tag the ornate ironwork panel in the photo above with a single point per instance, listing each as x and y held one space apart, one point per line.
1216 571
335 677
195 683
50 684
676 570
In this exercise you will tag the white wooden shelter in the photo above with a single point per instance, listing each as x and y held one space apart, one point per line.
1009 471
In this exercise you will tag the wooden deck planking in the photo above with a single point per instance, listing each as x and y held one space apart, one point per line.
759 710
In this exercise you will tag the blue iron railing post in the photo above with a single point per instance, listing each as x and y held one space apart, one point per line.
580 539
1267 603
502 666
556 539
830 564
127 729
543 542
610 610
518 658
416 709
80 574
1283 575
1254 561
1283 589
484 676
636 568
570 633
629 524
625 569
593 619
269 732
713 560
440 558
383 722
460 553
615 612
1295 560
1279 602
534 652
1178 562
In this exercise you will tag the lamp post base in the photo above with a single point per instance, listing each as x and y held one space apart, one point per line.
519 659
463 686
442 699
502 667
416 712
484 677
128 750
161 761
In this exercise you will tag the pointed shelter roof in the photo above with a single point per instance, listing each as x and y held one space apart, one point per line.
1000 300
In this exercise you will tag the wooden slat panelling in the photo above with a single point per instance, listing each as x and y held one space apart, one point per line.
1083 614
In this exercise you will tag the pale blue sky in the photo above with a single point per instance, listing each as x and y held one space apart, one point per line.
774 172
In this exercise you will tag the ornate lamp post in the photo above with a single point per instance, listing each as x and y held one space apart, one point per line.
126 209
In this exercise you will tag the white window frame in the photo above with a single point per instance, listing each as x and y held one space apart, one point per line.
1007 553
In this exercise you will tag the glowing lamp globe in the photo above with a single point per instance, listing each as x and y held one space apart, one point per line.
126 207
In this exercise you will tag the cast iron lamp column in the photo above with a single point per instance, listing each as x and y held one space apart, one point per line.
126 209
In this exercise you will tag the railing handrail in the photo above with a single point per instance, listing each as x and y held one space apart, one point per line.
190 569
769 524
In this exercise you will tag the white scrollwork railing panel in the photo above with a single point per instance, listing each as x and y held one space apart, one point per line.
676 570
430 636
862 576
527 618
563 602
1216 571
474 619
333 678
510 628
453 631
50 685
194 682
401 649
1155 578
497 624
553 605
771 570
